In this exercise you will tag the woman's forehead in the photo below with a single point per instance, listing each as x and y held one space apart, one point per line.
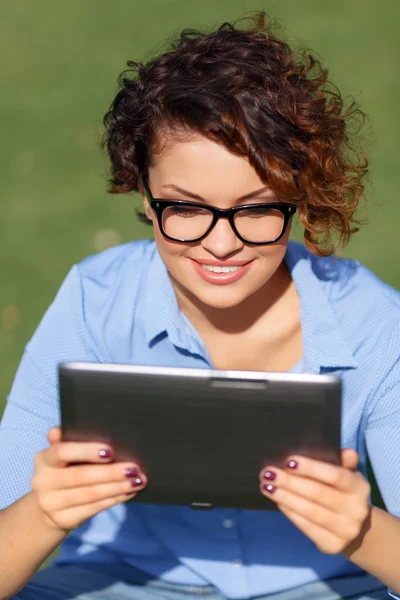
197 157
202 170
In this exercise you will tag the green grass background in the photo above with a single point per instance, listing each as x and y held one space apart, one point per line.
59 66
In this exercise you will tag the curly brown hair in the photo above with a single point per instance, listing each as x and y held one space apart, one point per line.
244 88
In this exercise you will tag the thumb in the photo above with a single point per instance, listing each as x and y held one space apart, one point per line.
349 459
54 435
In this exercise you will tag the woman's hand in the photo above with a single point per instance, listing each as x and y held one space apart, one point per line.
329 503
68 494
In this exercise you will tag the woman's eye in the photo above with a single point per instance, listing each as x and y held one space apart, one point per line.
255 213
186 212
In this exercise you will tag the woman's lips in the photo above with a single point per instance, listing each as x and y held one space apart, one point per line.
221 278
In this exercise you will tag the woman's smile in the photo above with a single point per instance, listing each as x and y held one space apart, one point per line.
221 272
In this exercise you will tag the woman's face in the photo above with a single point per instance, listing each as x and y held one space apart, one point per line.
200 167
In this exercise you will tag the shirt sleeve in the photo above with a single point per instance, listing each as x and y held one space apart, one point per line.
33 406
383 446
383 443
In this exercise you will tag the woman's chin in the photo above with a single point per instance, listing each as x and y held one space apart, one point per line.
221 297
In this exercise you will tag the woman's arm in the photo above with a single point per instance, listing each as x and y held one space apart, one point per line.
72 482
26 541
32 408
330 504
376 550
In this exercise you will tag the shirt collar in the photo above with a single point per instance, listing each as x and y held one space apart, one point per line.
162 313
324 344
323 341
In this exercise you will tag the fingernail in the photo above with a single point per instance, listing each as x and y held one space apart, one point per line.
269 488
105 453
270 475
292 464
131 472
136 482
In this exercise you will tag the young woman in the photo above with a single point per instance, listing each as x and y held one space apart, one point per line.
226 136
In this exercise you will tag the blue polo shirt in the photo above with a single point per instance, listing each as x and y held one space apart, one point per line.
119 307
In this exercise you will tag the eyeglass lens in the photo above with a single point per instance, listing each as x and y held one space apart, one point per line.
258 224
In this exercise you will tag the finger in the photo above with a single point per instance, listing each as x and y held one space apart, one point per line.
324 540
79 476
333 475
73 497
63 453
341 526
349 459
73 517
317 492
54 435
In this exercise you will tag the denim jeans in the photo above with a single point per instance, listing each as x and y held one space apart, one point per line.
120 582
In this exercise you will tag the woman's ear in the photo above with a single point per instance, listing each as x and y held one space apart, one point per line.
146 206
147 209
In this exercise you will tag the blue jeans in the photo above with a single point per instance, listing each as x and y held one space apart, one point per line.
73 582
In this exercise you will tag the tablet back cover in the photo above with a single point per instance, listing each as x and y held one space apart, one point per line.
202 436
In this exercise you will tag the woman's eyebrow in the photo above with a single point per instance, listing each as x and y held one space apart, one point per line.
183 192
197 197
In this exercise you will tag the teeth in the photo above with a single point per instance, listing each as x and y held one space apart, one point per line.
215 269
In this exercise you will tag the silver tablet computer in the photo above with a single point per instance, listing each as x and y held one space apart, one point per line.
201 436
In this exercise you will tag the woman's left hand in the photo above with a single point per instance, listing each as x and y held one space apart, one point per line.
329 503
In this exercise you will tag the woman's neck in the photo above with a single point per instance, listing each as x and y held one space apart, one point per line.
272 301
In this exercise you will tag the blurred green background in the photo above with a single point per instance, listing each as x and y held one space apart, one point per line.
59 67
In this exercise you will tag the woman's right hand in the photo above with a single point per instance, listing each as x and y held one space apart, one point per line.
68 494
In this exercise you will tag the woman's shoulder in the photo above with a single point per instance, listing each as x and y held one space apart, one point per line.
114 262
112 281
348 282
116 275
364 308
96 293
99 299
351 283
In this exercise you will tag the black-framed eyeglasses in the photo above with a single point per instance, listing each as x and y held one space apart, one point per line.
256 224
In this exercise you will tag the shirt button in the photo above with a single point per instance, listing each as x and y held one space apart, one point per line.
237 562
227 523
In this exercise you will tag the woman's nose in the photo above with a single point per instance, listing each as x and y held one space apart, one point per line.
222 240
